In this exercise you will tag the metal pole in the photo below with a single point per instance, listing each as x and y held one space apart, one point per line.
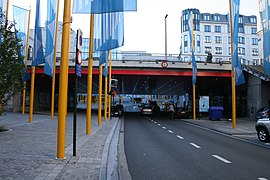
100 95
63 85
75 112
194 86
232 73
32 94
166 37
89 79
54 62
110 87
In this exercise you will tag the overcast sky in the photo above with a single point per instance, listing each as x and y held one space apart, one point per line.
145 29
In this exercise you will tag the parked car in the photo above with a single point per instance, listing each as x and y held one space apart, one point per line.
263 113
263 129
147 110
115 111
180 113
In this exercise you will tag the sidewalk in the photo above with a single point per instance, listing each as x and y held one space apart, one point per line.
245 127
28 150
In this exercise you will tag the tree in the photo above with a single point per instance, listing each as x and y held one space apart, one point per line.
10 62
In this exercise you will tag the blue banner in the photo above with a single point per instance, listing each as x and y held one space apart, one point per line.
234 39
20 17
103 6
50 37
38 47
109 31
194 63
3 5
266 37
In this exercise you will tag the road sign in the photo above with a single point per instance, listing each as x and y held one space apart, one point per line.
164 64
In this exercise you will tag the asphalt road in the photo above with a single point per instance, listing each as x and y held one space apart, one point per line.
159 148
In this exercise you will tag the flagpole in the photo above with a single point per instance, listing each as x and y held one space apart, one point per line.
63 82
194 85
100 95
26 59
32 94
54 61
110 87
105 96
7 5
90 74
232 71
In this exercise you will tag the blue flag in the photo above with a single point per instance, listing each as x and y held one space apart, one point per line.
103 6
266 37
236 65
3 5
109 31
38 47
50 36
105 69
234 39
20 17
194 63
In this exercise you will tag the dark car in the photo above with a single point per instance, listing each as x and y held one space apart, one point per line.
180 113
147 110
115 111
263 113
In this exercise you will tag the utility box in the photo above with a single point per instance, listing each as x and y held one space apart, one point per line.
215 112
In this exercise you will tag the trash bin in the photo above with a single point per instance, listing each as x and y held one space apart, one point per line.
215 112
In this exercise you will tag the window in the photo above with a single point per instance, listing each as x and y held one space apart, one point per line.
198 43
255 52
240 20
208 50
241 30
218 29
253 20
218 50
218 39
253 30
241 40
216 18
199 59
241 51
206 17
186 59
185 43
207 28
207 39
254 41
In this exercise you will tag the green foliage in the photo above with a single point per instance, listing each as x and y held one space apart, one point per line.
10 62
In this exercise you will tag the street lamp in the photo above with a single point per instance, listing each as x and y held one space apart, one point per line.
166 37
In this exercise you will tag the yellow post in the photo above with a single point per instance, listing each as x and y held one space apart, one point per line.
194 86
110 88
89 79
232 72
7 8
32 94
100 95
26 59
105 97
63 82
54 61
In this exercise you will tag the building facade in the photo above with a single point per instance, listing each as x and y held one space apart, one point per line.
212 35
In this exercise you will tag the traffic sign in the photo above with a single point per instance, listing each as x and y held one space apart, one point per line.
164 64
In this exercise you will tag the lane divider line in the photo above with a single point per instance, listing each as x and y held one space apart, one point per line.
180 137
195 145
159 124
222 159
164 127
170 131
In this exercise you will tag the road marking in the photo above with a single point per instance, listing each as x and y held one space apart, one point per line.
195 145
180 137
170 131
262 179
155 122
158 124
164 127
222 159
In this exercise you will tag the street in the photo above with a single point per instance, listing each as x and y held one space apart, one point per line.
159 148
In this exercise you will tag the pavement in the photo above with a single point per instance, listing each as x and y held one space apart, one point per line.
28 150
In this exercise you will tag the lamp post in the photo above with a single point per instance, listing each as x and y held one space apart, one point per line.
166 37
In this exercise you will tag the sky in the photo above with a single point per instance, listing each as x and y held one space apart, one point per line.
145 29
